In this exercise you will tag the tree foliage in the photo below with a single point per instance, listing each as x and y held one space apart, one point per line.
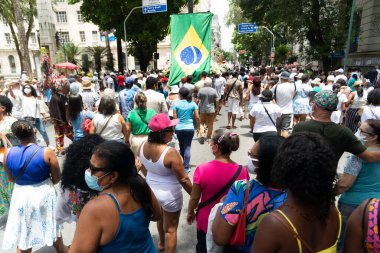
143 31
86 63
319 27
71 52
97 52
16 13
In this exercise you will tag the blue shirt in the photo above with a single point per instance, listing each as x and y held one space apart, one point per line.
77 124
37 170
132 235
126 99
367 183
185 110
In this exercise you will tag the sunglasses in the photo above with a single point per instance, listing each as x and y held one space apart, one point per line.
94 169
366 132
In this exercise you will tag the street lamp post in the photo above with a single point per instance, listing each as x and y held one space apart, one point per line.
272 49
349 35
125 36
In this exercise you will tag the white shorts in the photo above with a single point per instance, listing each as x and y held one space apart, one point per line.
169 196
233 105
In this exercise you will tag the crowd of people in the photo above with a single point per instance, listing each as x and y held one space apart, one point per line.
129 161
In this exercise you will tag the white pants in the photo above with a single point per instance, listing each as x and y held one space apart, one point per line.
233 105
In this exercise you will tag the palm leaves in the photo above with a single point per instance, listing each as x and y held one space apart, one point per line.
71 51
97 52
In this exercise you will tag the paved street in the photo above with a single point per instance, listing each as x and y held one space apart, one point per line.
200 153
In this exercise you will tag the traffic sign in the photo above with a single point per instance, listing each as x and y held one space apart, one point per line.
154 6
247 28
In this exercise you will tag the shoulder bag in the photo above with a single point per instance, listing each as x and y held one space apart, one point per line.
26 164
268 114
229 92
141 117
100 133
238 237
221 191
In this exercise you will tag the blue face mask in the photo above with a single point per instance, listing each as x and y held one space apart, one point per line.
92 181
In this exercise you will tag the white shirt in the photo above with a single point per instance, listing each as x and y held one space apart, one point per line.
341 76
112 131
262 120
32 107
370 112
284 94
156 101
17 103
327 87
219 86
336 116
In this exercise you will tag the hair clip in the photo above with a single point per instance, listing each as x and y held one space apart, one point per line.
232 134
220 138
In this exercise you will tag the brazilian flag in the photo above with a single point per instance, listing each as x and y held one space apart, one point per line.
190 36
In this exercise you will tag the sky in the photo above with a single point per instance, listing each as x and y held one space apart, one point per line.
220 7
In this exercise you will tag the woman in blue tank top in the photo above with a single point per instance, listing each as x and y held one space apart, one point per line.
34 169
118 219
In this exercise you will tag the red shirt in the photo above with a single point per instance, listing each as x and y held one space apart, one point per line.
120 80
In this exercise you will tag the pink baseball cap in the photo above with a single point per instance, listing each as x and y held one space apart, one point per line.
161 121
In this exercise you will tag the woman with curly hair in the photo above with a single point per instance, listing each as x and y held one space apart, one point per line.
75 192
308 221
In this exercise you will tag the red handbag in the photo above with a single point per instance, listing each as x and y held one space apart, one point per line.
238 237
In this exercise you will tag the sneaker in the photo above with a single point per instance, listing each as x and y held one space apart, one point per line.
202 140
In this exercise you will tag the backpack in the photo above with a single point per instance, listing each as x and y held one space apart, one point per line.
86 124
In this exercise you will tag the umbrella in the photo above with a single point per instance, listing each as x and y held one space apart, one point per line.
66 65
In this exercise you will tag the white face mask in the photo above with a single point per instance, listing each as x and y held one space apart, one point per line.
27 90
251 166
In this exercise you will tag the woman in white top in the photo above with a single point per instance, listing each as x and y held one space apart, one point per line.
34 112
252 95
372 109
108 123
337 116
171 99
301 107
264 115
357 99
166 176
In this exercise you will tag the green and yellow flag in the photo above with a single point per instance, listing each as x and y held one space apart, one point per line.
190 36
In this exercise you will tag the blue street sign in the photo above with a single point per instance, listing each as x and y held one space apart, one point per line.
247 28
154 8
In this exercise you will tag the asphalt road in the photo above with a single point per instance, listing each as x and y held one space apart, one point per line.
199 154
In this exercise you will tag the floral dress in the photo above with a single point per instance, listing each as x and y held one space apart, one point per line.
5 186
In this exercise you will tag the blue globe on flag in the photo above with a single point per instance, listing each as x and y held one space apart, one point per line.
191 55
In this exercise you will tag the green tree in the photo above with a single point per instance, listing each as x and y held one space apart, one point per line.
71 52
17 14
282 53
143 31
97 53
86 63
315 25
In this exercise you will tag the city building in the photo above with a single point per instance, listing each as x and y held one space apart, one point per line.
9 59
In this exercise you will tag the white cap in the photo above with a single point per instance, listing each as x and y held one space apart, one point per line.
340 70
299 76
330 78
317 80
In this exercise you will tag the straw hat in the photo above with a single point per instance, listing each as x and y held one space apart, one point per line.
86 83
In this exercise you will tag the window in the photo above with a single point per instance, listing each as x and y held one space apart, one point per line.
64 36
61 17
33 38
60 1
8 38
80 19
82 36
95 36
12 63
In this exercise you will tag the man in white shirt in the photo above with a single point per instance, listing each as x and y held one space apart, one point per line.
219 83
329 84
155 100
15 95
340 75
284 93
